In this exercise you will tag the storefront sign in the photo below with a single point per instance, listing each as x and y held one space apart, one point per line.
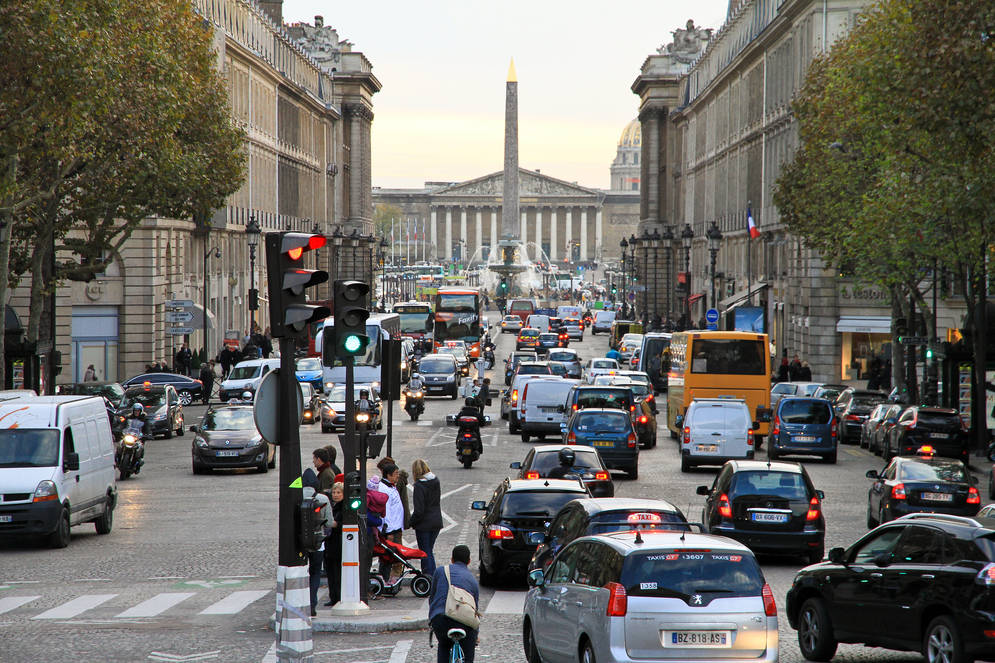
850 294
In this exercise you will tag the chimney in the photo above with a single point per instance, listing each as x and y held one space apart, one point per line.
319 21
273 9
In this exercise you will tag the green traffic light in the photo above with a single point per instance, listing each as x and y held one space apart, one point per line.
354 503
352 343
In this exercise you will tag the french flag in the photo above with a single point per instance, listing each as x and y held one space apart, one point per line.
751 224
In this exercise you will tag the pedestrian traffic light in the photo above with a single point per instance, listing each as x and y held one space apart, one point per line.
289 311
354 491
503 287
929 353
614 289
349 332
310 524
901 328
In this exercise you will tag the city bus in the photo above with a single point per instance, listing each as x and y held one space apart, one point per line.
379 327
719 364
417 319
457 318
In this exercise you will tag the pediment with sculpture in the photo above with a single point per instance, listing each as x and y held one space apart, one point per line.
530 184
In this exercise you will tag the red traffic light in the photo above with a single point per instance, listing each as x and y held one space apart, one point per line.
295 244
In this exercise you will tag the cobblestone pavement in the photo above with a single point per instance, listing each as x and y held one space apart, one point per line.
188 572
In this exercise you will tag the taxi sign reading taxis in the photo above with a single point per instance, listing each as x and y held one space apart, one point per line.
179 331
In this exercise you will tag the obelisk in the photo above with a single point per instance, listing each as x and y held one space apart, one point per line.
509 203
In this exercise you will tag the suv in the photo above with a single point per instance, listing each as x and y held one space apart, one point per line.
852 407
940 428
602 322
648 595
441 375
923 583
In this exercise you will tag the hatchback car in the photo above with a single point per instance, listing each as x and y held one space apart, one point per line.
648 595
922 583
871 423
644 414
543 462
939 428
628 345
569 359
770 507
461 357
889 418
310 412
517 508
583 517
187 389
511 324
806 426
574 329
163 410
441 375
911 485
227 438
830 391
548 341
528 338
610 432
600 366
309 370
852 407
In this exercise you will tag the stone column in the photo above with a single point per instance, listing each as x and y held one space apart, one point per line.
568 233
598 236
538 233
524 230
583 233
552 234
434 233
465 240
479 237
494 232
448 249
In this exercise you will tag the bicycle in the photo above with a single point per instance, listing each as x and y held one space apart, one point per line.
456 653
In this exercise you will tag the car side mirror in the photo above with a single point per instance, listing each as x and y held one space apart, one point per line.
882 559
561 409
703 490
836 555
515 466
756 425
536 578
679 420
820 494
479 505
195 428
872 474
71 463
537 538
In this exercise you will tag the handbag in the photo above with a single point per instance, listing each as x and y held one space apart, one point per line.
460 605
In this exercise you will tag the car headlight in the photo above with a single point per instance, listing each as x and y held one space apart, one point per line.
255 442
45 491
404 365
450 378
329 385
159 417
200 442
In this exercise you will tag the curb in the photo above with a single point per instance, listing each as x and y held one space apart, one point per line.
380 622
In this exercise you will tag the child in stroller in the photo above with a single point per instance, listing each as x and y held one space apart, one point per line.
388 553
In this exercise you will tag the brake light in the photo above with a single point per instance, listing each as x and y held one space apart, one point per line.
643 419
601 476
631 440
531 475
572 438
575 407
618 602
514 396
770 606
852 417
687 435
832 428
898 491
632 408
498 533
986 576
725 509
813 509
777 426
749 438
649 397
972 496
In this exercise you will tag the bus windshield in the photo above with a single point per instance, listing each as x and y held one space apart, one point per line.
457 302
414 319
728 357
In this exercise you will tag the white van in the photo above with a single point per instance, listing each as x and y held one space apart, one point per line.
716 430
602 322
540 322
56 467
541 409
246 376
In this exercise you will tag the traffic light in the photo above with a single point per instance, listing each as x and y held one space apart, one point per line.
311 524
614 289
353 491
901 328
351 313
929 353
289 311
503 287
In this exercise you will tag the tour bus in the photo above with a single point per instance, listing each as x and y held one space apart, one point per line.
523 308
379 327
417 318
457 318
719 364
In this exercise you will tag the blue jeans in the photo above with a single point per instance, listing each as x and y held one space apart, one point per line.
440 626
426 542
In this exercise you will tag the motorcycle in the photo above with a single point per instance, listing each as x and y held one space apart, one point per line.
469 444
130 451
414 403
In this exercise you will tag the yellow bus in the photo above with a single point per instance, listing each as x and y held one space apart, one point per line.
719 364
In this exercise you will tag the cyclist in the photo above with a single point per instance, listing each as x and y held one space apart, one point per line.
462 577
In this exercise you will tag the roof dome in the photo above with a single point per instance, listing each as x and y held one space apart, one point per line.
632 135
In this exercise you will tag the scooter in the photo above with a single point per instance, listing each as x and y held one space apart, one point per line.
130 452
414 403
468 442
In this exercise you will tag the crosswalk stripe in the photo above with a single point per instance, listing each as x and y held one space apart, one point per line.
155 605
234 602
76 606
13 602
506 603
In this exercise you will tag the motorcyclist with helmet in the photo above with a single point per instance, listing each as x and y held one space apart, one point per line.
472 409
415 383
566 466
136 422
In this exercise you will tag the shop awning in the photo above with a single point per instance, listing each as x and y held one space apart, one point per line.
864 324
695 297
740 297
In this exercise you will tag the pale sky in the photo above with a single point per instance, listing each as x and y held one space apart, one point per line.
443 66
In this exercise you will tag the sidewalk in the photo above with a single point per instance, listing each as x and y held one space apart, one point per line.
403 612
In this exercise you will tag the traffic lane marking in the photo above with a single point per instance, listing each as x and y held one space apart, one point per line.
156 605
75 607
9 603
506 603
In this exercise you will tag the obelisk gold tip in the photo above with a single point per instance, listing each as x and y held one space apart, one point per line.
512 78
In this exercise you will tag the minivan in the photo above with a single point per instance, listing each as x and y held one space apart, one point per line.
246 377
715 430
540 322
542 407
56 467
804 426
602 322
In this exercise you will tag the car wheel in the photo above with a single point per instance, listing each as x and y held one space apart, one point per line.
653 442
528 642
771 454
168 434
830 458
106 520
272 460
263 466
179 428
453 395
185 398
685 465
526 437
815 631
633 472
871 521
942 642
199 469
486 577
587 652
60 537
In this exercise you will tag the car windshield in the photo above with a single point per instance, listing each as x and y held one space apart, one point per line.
529 333
29 447
557 369
337 394
681 574
913 471
615 398
308 364
436 366
233 419
539 504
533 369
809 389
604 363
639 379
602 422
620 521
938 418
152 399
783 388
638 389
544 461
112 392
829 393
797 411
456 352
549 338
244 372
511 318
563 356
866 401
789 485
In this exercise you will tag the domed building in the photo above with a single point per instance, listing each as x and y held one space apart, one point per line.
625 168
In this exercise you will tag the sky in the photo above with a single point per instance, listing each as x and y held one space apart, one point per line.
443 65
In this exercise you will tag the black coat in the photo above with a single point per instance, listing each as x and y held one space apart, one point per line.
426 513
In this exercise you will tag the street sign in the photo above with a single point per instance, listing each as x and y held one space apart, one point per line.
711 315
179 316
632 296
179 331
914 340
265 403
179 303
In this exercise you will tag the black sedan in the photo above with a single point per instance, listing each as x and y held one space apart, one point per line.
188 389
913 484
518 508
227 438
163 411
940 429
543 462
547 342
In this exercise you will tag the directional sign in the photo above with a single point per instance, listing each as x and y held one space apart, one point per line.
914 340
179 316
179 303
179 331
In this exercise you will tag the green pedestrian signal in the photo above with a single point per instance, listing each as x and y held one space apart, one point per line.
352 344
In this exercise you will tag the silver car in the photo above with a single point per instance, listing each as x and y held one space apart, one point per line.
782 389
569 359
648 595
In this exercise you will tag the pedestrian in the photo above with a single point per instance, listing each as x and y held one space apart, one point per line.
402 488
333 545
332 453
207 377
90 375
783 370
805 372
182 360
227 359
426 513
393 518
267 346
323 466
794 368
460 576
874 374
315 558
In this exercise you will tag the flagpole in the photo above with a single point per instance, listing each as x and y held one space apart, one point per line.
749 257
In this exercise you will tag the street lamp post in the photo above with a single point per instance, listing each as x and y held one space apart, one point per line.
632 269
207 284
686 236
623 245
252 232
381 257
668 244
714 238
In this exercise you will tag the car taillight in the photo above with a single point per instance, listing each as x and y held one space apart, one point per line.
777 426
649 397
531 475
575 407
572 438
514 396
497 533
618 602
852 417
973 497
725 509
643 419
813 509
631 440
687 435
749 438
770 606
601 476
832 428
986 576
898 491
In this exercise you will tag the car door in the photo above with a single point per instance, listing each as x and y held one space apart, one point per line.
491 516
709 513
552 628
585 598
855 597
878 489
905 584
173 408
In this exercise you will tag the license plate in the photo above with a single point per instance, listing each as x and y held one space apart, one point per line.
938 497
227 452
434 388
696 639
6 519
706 448
769 517
604 443
549 408
803 438
939 436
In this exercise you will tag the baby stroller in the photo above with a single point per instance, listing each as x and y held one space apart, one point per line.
390 553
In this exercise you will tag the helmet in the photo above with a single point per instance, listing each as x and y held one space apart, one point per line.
468 401
416 376
138 410
567 456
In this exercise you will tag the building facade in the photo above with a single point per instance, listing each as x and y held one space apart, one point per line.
307 146
717 128
625 167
